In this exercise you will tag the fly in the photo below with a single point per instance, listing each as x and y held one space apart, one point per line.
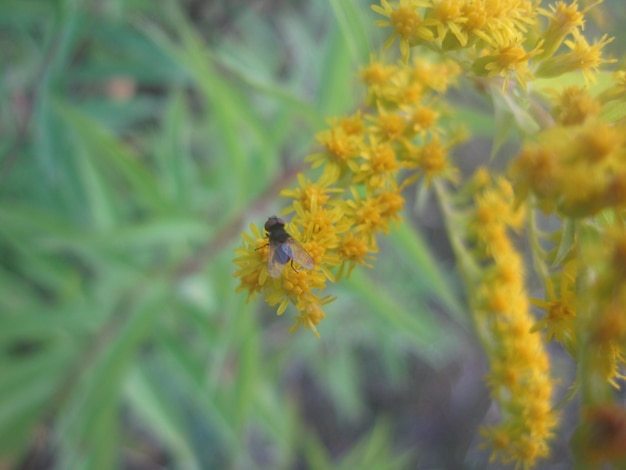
283 248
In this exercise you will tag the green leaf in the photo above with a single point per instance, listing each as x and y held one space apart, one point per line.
568 239
161 415
105 152
350 18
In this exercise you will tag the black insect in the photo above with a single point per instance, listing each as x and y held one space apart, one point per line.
283 248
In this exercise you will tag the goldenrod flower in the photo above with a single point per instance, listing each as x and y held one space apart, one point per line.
497 23
311 194
407 23
342 144
378 77
449 19
373 213
576 170
387 125
380 165
519 371
431 160
433 76
574 105
355 250
301 287
311 314
560 307
563 20
252 262
582 57
505 60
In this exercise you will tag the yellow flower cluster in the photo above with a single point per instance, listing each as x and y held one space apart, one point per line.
366 159
519 377
577 170
573 166
577 167
587 314
496 37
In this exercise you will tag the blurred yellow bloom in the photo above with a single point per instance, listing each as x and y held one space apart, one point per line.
519 372
582 57
505 60
563 20
560 307
406 22
574 105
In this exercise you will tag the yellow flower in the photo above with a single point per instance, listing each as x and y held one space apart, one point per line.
374 212
379 167
434 76
574 105
497 23
251 261
576 170
448 17
423 120
407 23
377 74
505 60
378 78
563 20
431 159
560 307
387 125
342 143
300 287
311 194
311 314
582 56
353 250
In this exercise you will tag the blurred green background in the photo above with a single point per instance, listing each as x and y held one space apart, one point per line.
138 138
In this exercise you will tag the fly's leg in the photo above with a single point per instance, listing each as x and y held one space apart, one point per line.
293 267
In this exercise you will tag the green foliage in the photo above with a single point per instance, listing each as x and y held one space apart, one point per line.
135 143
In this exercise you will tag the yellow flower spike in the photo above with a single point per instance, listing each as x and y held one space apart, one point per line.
519 371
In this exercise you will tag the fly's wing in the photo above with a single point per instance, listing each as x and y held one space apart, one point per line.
277 257
299 254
